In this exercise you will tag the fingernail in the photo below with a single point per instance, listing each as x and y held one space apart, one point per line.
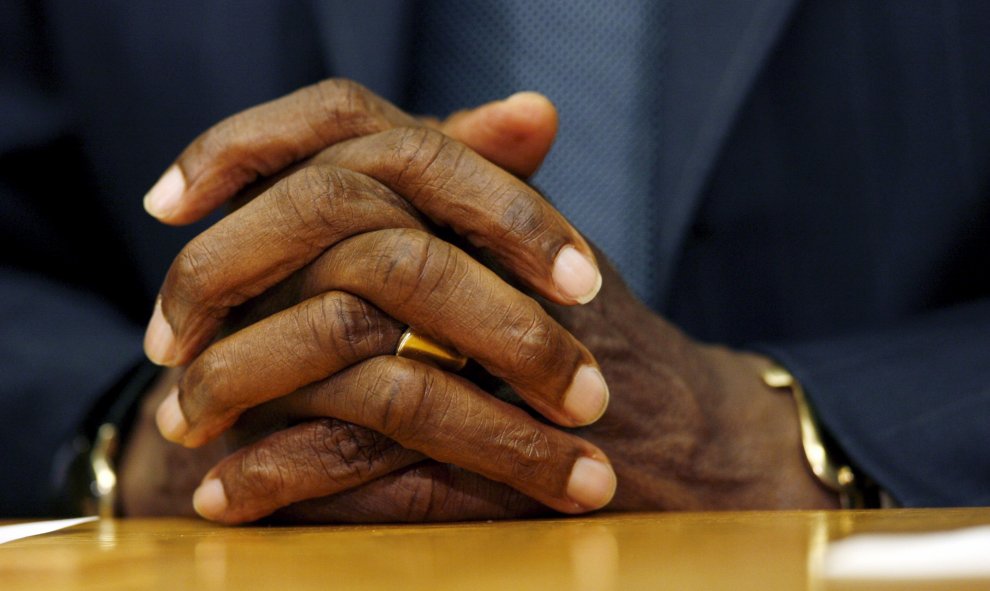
575 276
587 397
526 97
592 484
210 500
165 195
521 96
169 418
159 340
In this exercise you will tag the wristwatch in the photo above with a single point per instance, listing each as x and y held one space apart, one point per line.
824 458
88 482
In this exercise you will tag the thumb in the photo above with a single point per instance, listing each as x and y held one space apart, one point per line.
515 133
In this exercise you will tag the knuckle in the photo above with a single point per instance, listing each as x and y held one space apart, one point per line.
320 181
406 399
406 499
531 340
194 278
260 474
413 146
348 107
420 496
527 453
226 148
425 158
198 278
307 203
227 136
307 341
414 264
345 451
206 383
522 218
348 327
343 95
330 203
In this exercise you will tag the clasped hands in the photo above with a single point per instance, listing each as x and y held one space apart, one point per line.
354 220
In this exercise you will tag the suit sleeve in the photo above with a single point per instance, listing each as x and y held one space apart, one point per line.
61 349
910 405
62 343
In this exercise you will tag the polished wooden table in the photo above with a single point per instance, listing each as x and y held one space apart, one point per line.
738 551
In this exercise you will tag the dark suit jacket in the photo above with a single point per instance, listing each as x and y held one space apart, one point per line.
824 198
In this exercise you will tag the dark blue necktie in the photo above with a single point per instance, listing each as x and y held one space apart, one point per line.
601 64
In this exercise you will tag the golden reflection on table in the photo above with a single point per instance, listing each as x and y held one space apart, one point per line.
738 551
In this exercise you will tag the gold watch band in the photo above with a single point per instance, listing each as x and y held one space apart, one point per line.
824 464
104 471
88 480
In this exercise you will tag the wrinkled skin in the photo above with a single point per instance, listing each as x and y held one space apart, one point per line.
688 426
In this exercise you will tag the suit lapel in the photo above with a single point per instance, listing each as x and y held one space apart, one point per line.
716 50
367 41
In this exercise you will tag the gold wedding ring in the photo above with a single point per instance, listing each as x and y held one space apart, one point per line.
420 348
